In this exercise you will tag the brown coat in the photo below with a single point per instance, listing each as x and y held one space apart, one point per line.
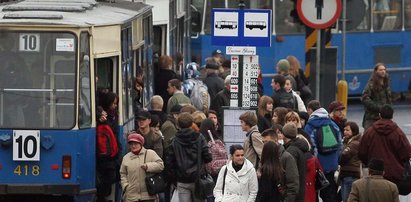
380 190
350 162
132 175
251 153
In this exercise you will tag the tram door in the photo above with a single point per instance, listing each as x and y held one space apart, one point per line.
106 81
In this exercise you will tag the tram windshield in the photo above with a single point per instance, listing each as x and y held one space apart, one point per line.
37 80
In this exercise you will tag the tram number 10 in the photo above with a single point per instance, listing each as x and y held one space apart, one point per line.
26 146
29 42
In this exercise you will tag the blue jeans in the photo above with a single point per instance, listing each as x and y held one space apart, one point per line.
346 184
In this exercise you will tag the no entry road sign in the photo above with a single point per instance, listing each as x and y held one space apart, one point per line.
319 14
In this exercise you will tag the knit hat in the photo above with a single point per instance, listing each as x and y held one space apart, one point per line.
135 137
376 164
290 130
283 65
335 105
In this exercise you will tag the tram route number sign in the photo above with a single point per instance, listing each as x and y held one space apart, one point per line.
26 145
250 75
244 86
234 83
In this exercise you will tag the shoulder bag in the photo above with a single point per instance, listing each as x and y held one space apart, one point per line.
404 185
155 183
204 184
321 181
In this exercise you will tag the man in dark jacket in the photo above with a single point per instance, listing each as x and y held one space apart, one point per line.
182 157
214 82
386 141
222 99
164 74
282 98
297 148
289 166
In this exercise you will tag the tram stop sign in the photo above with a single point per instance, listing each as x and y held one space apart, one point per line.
318 14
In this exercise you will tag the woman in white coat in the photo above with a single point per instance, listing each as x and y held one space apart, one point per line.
237 181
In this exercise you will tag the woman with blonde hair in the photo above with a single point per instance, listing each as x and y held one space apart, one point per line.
296 71
295 118
264 112
302 81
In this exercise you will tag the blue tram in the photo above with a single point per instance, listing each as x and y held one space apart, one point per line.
381 34
55 55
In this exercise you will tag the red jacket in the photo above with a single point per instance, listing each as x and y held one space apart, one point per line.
385 140
312 165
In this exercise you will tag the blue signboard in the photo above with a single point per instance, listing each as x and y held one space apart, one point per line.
235 27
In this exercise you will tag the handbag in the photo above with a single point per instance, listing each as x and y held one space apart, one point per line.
204 184
404 185
155 183
321 181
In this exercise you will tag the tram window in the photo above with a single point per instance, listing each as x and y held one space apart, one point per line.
127 74
195 20
104 72
37 80
407 13
85 92
197 6
387 15
284 23
357 19
387 54
159 36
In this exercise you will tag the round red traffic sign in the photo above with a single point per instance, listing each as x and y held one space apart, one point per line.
319 14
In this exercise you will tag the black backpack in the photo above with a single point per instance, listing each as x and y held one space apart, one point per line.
288 100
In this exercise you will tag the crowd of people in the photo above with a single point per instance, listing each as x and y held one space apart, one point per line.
288 141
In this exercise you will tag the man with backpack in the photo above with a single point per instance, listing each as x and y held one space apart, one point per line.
195 89
282 98
183 160
177 95
326 138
